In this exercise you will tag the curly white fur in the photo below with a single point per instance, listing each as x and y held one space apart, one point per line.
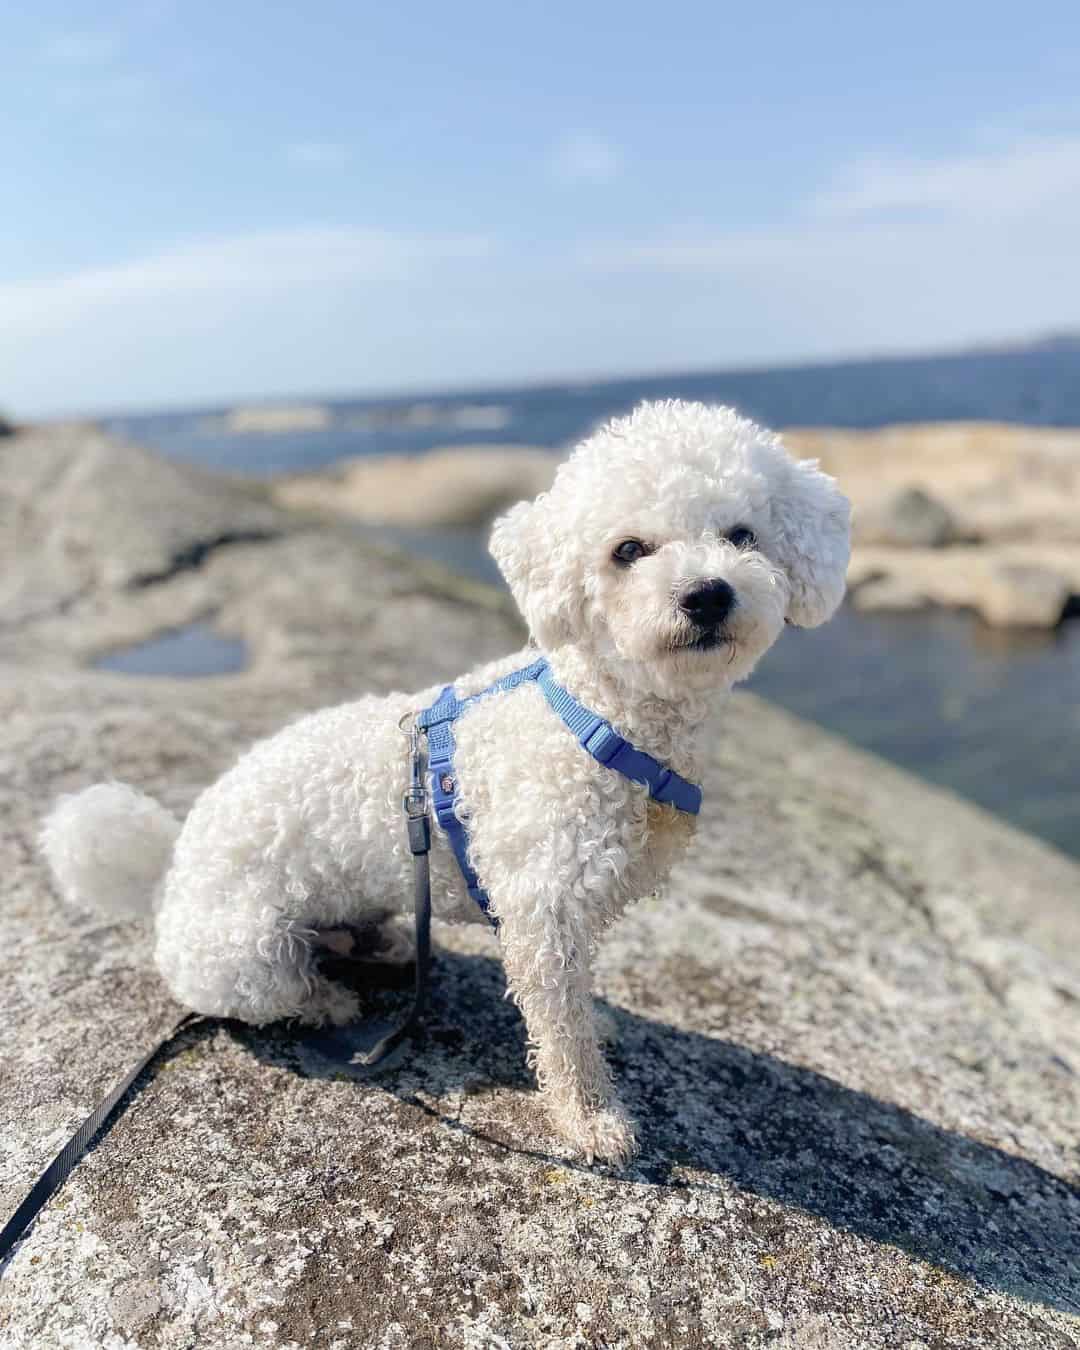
304 833
108 847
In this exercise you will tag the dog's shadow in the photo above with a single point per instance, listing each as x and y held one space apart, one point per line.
707 1106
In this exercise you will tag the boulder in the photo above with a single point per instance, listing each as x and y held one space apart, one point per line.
909 518
456 486
82 516
894 593
1000 482
851 1034
1027 597
1009 585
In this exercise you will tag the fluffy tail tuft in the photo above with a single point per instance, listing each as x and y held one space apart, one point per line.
108 847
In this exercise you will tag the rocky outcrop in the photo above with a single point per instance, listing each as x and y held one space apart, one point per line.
82 517
275 418
909 518
459 485
1002 483
851 1032
1013 585
998 504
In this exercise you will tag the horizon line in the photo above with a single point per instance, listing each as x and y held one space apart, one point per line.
1066 340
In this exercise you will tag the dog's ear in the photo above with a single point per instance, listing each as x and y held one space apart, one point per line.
812 525
528 543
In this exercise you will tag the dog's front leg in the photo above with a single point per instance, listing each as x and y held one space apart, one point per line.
546 951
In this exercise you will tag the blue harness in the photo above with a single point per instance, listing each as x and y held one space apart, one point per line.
595 735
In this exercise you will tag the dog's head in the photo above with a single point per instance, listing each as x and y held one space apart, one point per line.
679 539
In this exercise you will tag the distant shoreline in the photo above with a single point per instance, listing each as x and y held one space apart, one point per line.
1061 345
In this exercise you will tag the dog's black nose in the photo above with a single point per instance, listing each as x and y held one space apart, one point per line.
708 603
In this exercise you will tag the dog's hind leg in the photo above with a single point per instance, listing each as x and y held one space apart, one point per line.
252 963
381 936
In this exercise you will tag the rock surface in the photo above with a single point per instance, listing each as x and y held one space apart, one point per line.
1012 490
851 1033
1013 585
82 517
909 518
1018 595
460 485
1002 482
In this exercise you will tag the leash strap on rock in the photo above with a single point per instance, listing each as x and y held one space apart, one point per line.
78 1145
418 823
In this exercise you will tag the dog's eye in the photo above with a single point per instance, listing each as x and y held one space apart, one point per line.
630 550
742 537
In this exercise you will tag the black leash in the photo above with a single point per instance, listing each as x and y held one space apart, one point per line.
418 822
78 1145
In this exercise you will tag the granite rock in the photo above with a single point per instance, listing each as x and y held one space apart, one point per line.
961 514
81 515
1001 482
1023 596
909 518
851 1032
456 486
1010 585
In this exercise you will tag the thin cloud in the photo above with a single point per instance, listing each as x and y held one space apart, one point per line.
250 263
1011 180
901 255
886 213
585 158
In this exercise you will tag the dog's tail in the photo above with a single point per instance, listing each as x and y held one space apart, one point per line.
108 847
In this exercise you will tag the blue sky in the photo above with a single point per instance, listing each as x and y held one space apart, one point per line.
212 202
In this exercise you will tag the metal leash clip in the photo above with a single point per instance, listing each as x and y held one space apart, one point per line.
414 800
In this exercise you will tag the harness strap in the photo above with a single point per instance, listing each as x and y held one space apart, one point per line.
606 746
437 722
593 733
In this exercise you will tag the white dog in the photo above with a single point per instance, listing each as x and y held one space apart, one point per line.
665 559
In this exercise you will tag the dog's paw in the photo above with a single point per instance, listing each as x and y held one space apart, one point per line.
602 1136
330 1004
607 1029
396 945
